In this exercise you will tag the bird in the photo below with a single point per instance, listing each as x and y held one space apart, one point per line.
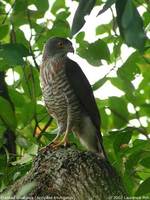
69 98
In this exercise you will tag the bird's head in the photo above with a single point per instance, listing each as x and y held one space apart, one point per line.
57 47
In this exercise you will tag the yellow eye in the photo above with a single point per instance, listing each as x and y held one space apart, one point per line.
60 44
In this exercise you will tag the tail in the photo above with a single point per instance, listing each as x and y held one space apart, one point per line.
101 149
91 138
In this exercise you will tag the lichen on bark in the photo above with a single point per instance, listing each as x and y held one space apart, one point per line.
68 173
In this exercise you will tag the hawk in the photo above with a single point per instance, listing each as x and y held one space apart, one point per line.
69 97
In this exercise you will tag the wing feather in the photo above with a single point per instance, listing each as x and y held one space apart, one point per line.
83 91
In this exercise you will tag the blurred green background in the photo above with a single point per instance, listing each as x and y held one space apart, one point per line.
25 125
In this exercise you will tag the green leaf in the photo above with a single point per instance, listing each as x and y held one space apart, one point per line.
49 136
107 5
117 49
3 161
129 182
104 119
146 17
20 6
139 145
2 137
4 30
126 86
80 37
12 54
122 84
33 149
41 112
41 5
122 137
130 68
16 176
94 52
21 38
145 162
127 16
133 160
130 24
61 28
21 12
26 114
143 188
143 174
2 8
99 50
16 97
119 111
22 142
145 110
84 8
26 158
99 83
103 28
7 114
63 15
30 82
57 5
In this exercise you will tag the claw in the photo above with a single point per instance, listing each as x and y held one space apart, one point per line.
55 140
57 143
63 142
45 149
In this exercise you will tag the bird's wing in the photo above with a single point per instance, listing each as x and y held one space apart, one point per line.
83 91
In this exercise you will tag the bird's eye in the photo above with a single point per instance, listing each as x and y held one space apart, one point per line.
60 44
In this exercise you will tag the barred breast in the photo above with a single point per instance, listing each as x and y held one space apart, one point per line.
60 100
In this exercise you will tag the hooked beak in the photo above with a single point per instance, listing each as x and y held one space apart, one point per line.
70 49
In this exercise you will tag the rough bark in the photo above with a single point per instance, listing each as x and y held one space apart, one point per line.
68 173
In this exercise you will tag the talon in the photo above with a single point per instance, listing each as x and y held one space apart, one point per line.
57 143
44 149
64 142
55 140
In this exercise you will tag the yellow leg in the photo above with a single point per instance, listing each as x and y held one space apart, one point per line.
64 141
55 139
51 144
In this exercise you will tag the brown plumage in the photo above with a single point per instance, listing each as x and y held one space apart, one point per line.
68 96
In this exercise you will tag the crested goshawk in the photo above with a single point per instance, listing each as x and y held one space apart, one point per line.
69 97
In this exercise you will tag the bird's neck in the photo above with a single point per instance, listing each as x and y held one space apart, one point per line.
53 57
54 64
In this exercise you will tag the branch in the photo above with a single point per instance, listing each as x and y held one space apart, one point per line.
3 22
141 129
68 173
33 57
114 22
30 47
45 127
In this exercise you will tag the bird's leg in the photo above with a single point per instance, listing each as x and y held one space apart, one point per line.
56 138
63 142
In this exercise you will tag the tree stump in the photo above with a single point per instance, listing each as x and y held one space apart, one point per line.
68 173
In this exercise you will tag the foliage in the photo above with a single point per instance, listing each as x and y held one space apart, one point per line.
21 110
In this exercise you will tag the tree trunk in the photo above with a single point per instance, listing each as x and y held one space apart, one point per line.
68 173
9 134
